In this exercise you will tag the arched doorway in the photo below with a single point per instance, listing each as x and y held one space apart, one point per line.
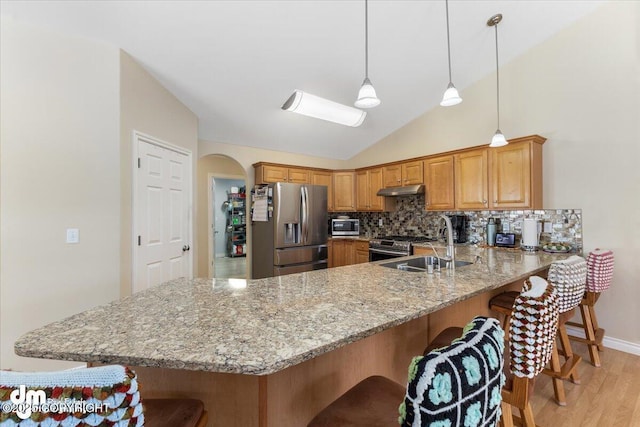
222 213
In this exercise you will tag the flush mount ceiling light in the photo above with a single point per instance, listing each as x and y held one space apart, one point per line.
451 96
367 97
320 108
498 139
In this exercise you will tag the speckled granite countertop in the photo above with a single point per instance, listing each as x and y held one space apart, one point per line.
263 326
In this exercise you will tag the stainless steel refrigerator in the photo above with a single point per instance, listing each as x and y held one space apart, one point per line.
294 239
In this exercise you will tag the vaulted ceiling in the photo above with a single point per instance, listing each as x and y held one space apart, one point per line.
234 63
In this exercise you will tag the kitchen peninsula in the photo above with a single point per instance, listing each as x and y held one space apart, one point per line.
273 352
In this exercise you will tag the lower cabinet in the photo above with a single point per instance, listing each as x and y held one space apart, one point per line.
347 252
419 250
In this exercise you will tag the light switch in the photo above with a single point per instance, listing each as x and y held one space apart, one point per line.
548 227
380 222
73 235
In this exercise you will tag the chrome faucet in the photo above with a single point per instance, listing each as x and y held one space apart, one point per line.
451 252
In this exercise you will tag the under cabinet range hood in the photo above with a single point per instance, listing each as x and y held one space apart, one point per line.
407 190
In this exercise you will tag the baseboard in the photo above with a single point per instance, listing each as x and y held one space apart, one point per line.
609 342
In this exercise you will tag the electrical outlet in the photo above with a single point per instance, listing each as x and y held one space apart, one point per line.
73 235
548 227
380 222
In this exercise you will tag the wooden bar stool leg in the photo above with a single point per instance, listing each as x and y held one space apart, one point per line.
527 416
571 360
555 373
506 420
597 331
590 333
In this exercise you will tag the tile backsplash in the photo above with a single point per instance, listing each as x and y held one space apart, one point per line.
411 219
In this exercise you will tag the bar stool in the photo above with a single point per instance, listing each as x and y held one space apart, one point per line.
532 330
569 277
112 388
599 276
459 382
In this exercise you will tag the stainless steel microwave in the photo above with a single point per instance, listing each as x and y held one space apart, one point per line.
345 227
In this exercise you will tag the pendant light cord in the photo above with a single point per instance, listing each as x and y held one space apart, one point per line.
366 39
497 78
448 43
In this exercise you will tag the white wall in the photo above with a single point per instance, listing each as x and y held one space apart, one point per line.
59 169
581 90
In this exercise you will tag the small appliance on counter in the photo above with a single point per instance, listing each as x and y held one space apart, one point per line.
505 240
491 232
345 226
530 234
459 224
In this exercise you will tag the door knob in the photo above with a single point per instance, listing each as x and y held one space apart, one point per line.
185 248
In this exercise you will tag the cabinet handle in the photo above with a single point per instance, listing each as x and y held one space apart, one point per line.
484 202
495 201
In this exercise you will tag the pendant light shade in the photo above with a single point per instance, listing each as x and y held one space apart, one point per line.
451 95
498 139
367 97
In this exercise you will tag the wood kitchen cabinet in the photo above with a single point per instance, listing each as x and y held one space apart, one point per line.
439 179
368 182
347 252
508 177
361 251
472 179
266 173
324 178
407 173
342 252
344 191
419 250
516 174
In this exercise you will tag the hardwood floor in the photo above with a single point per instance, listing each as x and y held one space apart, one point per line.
606 396
227 267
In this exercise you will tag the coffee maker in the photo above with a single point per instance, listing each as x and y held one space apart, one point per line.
459 224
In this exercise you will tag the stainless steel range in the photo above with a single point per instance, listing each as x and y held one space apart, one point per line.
393 246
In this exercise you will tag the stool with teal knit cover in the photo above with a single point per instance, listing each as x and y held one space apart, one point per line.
459 384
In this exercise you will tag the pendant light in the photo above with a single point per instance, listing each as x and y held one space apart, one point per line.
451 96
498 139
367 97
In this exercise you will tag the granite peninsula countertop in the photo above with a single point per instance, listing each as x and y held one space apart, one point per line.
262 326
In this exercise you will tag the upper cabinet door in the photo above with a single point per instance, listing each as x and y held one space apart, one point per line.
511 176
439 180
362 191
344 186
299 176
412 173
376 203
472 181
324 178
392 176
274 174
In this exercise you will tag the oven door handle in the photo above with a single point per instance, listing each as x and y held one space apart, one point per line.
382 251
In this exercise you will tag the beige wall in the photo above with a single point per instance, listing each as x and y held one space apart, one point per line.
581 90
147 107
60 169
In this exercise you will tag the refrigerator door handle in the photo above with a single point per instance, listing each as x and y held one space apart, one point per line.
305 214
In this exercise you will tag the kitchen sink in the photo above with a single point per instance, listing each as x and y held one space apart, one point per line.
420 264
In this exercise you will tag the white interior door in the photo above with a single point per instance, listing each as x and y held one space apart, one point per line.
161 204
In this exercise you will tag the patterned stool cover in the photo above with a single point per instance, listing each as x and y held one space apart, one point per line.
458 385
599 270
533 327
569 278
112 389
